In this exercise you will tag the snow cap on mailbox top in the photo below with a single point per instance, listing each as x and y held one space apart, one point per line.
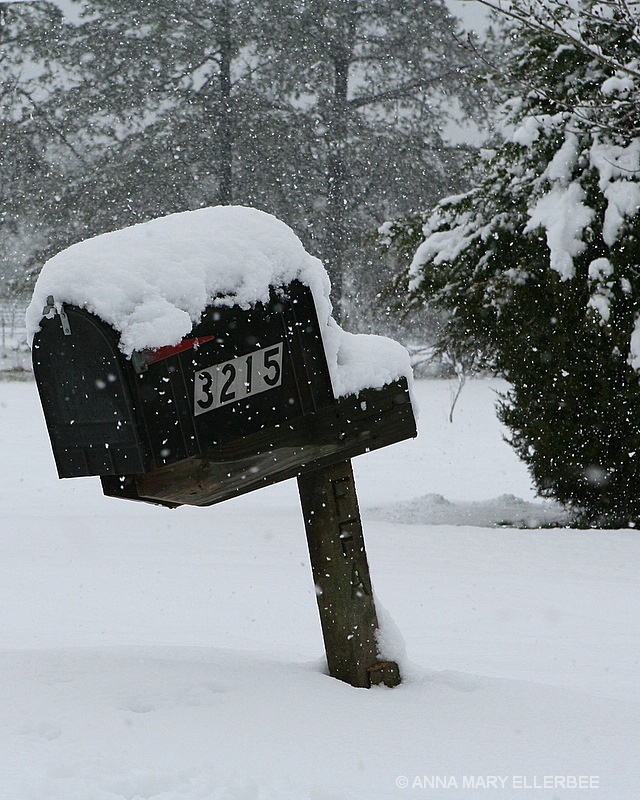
151 282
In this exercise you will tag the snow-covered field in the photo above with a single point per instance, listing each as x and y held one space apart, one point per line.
148 654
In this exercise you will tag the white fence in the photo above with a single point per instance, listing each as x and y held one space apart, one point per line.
14 352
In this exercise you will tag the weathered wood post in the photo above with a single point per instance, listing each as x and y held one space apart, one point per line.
341 576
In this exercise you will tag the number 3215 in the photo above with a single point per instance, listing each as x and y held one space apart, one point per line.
237 379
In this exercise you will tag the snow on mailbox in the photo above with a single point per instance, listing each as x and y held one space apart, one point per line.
194 357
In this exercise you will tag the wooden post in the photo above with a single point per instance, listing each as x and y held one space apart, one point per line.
341 575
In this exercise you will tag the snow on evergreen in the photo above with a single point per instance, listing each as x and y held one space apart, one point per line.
538 265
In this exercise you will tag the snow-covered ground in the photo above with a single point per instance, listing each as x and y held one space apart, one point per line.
148 654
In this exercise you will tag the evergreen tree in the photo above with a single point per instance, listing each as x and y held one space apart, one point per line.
152 107
538 266
28 182
377 83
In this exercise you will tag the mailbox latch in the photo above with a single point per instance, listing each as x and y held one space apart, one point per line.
50 310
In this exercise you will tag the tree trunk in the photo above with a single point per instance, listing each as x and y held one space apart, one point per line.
225 174
337 130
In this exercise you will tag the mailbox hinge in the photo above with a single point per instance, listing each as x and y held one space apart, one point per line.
51 309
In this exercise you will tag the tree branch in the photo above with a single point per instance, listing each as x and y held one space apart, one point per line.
406 90
48 124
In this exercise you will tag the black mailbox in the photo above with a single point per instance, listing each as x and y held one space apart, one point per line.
243 401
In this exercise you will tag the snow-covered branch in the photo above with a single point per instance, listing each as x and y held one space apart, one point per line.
578 25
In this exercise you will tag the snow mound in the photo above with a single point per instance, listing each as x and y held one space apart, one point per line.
152 281
504 511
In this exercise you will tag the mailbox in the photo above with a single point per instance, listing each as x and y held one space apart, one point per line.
243 401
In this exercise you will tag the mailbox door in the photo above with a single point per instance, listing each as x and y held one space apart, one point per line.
83 383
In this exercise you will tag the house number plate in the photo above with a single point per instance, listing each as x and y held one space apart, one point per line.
237 379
